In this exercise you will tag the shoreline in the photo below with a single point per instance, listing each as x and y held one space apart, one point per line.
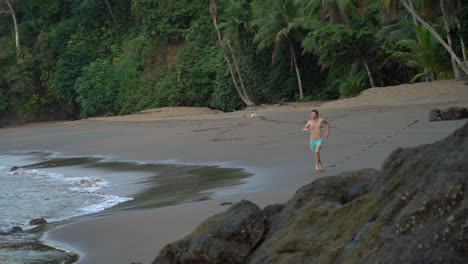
31 163
361 137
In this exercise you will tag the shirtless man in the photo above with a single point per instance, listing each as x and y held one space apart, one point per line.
315 127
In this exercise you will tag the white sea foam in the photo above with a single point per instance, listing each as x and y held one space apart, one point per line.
68 196
109 201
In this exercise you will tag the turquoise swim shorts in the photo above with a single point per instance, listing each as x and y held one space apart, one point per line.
314 143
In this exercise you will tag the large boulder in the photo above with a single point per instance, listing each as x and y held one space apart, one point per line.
413 210
224 238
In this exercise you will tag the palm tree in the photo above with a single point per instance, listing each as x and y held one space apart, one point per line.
456 72
6 7
281 27
236 20
408 5
332 11
236 76
424 52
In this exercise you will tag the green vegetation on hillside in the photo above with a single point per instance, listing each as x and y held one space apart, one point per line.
81 58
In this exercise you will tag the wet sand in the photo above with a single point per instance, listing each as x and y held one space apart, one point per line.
271 145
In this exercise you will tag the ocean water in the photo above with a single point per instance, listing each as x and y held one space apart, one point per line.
63 189
32 193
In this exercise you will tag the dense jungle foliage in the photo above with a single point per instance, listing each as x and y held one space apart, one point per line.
80 58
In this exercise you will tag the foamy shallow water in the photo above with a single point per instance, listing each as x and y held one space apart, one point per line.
28 194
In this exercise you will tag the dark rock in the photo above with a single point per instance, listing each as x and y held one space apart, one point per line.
224 238
38 221
434 115
450 113
454 113
14 168
15 229
272 212
414 210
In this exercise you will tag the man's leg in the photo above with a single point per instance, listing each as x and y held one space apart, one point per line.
318 162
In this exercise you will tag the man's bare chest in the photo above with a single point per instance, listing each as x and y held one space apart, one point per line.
315 125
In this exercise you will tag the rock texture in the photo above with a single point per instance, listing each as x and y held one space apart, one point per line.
414 210
37 221
225 238
450 113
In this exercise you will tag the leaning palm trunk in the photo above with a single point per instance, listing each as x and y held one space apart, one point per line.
461 41
242 94
15 23
369 74
436 35
247 100
109 8
298 73
371 79
456 72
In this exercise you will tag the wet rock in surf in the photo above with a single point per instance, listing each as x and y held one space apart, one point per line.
15 230
38 221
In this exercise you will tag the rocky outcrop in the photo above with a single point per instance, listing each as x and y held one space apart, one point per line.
37 221
225 238
414 210
451 113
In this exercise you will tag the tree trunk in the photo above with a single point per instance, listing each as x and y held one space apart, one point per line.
414 19
436 35
369 74
109 8
248 102
298 74
15 22
371 79
461 41
456 72
214 14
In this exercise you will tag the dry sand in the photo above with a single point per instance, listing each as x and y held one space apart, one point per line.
364 132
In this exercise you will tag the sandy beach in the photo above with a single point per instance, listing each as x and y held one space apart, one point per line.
270 144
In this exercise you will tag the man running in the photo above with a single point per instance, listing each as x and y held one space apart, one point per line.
314 125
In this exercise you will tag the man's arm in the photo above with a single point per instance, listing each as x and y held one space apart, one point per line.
306 128
327 132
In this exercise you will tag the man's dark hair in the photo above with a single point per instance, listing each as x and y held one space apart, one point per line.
315 112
